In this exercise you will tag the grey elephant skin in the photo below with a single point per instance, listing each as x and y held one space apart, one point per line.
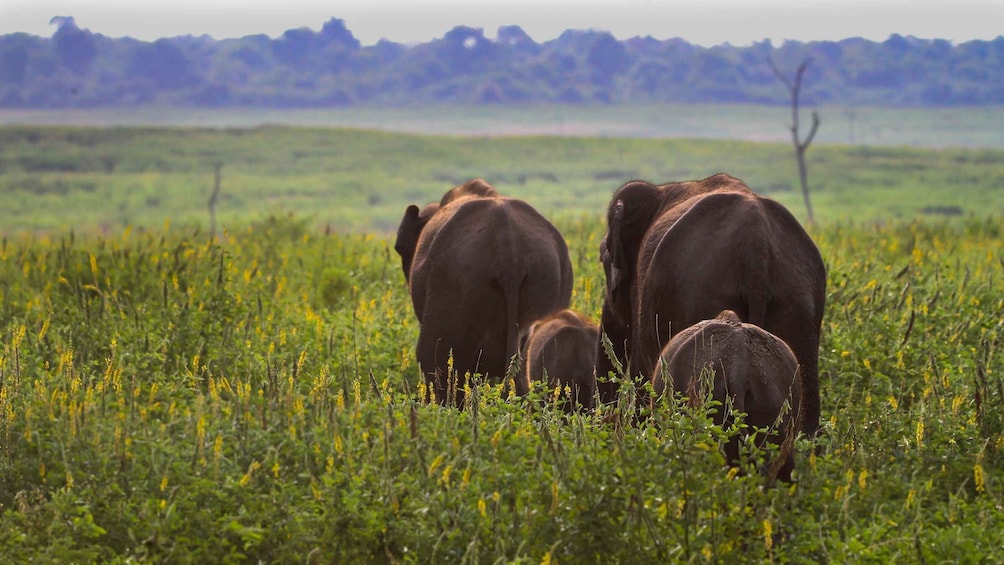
560 351
750 370
679 253
480 268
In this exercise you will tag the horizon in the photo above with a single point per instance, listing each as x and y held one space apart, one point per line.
713 23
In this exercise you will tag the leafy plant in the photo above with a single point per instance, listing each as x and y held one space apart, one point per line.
165 399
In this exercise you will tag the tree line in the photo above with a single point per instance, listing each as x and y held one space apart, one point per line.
76 68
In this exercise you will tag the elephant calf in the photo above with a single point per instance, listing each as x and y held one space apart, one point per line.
753 369
560 350
480 268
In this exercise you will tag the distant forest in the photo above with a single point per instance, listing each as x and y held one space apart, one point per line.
303 68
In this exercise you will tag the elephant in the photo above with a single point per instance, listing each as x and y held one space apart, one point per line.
562 348
752 370
480 268
679 253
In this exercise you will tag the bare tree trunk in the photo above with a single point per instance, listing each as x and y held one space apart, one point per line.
213 198
795 88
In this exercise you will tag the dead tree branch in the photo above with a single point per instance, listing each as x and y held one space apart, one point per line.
801 145
213 199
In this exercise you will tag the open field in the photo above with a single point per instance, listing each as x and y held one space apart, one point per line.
58 178
165 399
974 127
168 398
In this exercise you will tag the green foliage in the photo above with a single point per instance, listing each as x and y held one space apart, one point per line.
61 178
330 68
164 398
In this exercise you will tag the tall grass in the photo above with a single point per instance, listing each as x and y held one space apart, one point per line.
163 398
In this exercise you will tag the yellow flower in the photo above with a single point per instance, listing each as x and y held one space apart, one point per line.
768 531
247 476
435 463
838 493
979 479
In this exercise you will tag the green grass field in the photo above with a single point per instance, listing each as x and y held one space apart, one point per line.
60 178
167 398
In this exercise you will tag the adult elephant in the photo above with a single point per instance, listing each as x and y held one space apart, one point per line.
480 268
679 253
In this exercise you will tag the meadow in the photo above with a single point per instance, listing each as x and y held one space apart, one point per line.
57 178
170 397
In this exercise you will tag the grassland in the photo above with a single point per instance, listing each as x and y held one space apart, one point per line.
167 398
58 178
972 127
170 400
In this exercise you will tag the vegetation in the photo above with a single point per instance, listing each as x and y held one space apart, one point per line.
975 127
57 178
167 399
330 68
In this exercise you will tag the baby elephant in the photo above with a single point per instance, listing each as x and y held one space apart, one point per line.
562 347
752 367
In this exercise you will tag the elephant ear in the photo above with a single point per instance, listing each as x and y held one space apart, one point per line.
615 247
524 340
408 233
629 217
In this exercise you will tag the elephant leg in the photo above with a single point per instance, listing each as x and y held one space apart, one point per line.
805 346
434 366
810 390
619 336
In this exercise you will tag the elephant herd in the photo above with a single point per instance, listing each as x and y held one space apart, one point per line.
710 288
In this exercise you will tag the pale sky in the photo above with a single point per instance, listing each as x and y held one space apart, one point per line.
704 22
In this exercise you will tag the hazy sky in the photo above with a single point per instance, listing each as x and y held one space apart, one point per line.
705 22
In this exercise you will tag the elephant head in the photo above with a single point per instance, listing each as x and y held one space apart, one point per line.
408 233
476 188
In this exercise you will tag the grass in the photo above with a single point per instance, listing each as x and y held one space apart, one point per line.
973 127
168 399
57 178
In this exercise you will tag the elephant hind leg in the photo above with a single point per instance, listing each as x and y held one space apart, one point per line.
805 345
433 359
